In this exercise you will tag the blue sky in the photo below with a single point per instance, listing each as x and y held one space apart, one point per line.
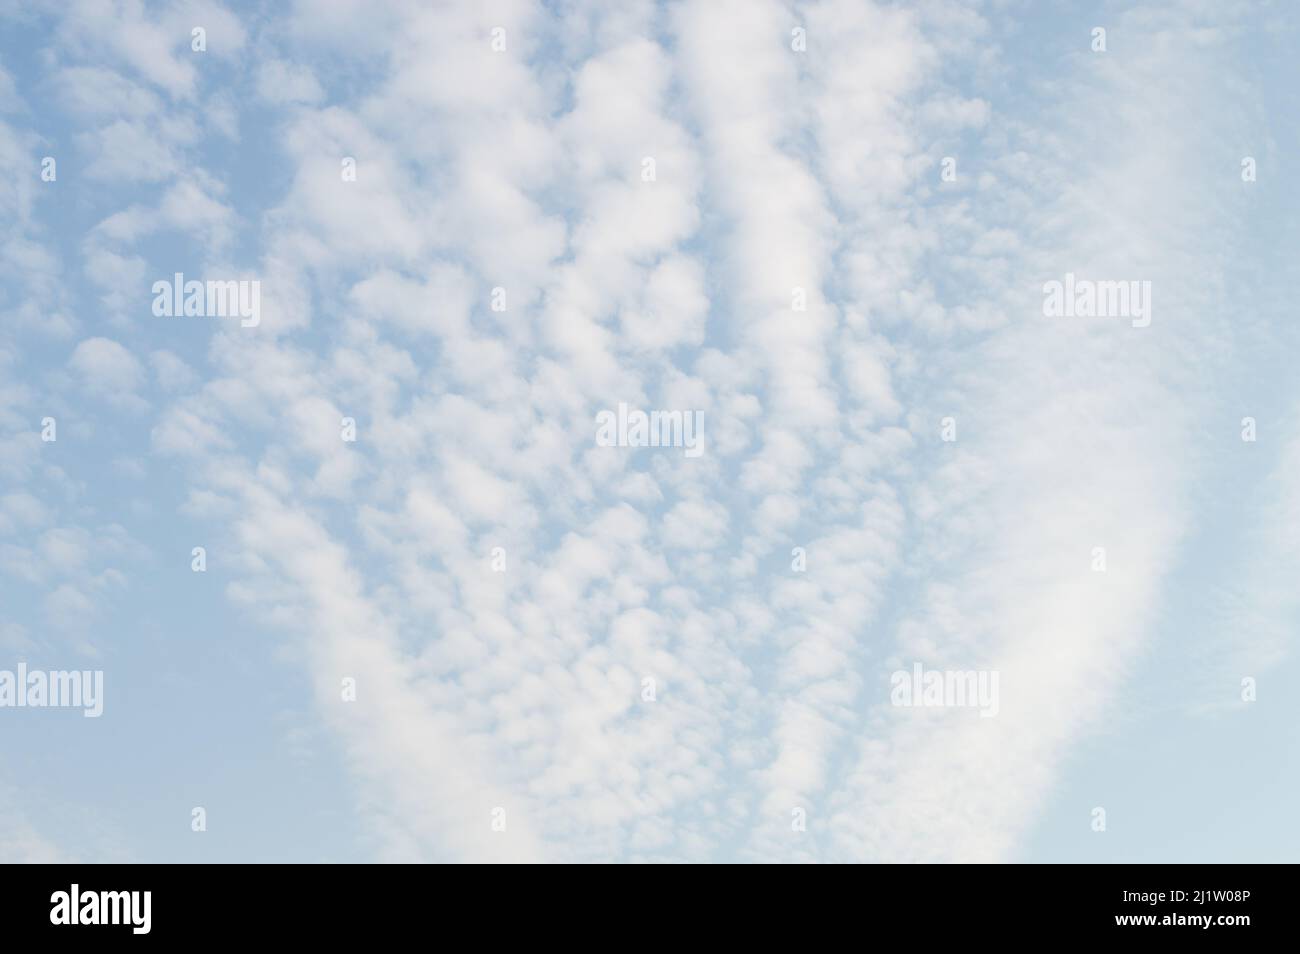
522 687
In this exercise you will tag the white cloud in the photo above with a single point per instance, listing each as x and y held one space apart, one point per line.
778 175
281 83
106 368
172 373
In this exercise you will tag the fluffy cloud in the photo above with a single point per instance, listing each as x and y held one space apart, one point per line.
106 368
562 651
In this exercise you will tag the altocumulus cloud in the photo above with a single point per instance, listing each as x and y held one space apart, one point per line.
824 228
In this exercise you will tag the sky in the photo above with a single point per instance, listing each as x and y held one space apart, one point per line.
437 617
